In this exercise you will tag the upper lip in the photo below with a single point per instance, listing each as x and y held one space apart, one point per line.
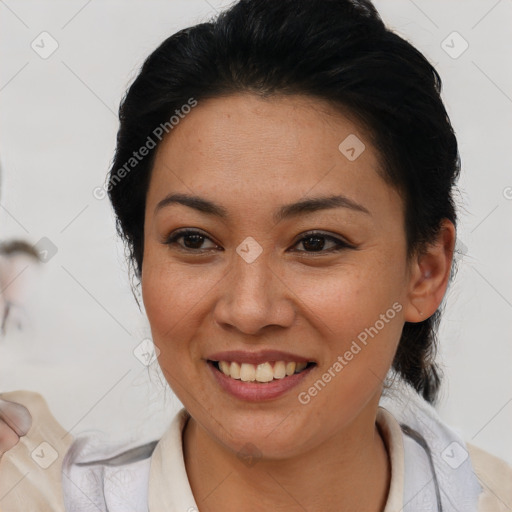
261 356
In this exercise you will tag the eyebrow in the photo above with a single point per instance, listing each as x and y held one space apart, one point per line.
284 212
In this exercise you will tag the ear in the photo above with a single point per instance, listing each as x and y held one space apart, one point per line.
429 275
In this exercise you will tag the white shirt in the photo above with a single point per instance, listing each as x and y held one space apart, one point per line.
430 469
48 468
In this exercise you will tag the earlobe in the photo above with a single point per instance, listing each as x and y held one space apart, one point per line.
429 275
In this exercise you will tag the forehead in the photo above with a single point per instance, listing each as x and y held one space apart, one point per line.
274 149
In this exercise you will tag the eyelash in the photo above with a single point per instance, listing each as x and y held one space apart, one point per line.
340 244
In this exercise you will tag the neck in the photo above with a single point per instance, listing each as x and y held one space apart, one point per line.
349 471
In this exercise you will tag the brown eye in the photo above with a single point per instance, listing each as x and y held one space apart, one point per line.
316 243
192 240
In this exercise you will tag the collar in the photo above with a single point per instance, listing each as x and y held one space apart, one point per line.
169 488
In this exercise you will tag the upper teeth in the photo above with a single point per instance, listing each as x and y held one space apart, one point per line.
263 372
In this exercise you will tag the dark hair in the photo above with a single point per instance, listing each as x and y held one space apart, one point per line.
336 50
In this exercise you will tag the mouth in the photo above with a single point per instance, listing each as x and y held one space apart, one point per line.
262 373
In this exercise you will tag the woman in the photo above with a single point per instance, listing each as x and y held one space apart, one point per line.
283 181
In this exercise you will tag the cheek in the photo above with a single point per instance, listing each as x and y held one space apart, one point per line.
358 314
352 298
168 302
176 300
359 328
169 291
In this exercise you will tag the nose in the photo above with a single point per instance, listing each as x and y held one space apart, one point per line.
253 297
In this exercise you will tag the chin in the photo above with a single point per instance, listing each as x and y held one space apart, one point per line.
268 433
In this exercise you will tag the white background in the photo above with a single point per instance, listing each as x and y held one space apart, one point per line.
80 322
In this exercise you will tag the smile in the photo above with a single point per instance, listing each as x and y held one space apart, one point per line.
263 372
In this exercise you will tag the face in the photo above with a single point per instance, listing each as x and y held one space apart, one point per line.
324 284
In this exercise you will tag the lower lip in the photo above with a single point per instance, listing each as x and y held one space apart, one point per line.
258 391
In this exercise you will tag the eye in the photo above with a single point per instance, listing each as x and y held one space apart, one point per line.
192 240
314 242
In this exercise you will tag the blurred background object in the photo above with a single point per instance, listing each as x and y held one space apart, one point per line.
16 256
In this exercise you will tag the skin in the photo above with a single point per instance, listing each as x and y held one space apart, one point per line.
253 155
15 422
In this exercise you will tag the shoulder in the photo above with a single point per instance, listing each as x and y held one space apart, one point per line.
474 479
495 477
52 471
31 471
105 478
